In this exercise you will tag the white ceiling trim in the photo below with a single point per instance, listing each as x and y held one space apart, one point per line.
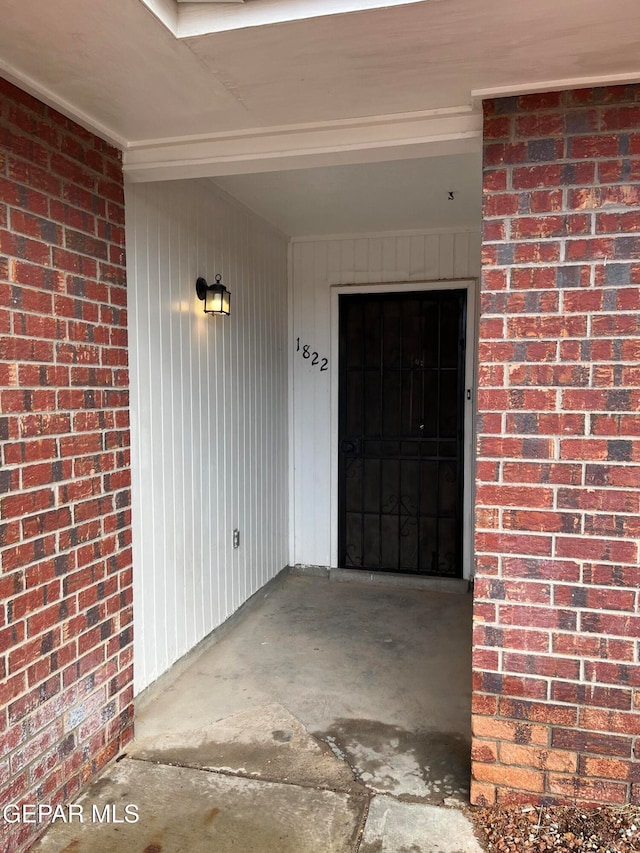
367 235
233 165
400 136
390 119
57 103
479 95
167 12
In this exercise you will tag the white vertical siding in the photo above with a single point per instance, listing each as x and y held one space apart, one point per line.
317 264
209 414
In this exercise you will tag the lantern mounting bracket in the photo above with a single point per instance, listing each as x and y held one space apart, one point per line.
201 288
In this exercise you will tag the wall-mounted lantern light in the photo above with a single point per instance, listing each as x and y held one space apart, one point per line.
215 296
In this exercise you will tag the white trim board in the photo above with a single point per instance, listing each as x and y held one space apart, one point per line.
397 136
470 285
564 84
66 108
291 455
407 232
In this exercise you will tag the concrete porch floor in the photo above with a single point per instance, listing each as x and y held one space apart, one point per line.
331 718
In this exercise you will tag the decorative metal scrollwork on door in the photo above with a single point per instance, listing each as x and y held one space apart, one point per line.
400 431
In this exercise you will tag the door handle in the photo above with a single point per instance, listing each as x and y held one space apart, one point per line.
350 446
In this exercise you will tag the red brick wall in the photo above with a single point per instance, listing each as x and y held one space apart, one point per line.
556 633
65 537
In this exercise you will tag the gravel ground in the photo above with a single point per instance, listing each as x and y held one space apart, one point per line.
558 828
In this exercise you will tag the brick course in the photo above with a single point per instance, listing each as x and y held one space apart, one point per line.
65 535
557 622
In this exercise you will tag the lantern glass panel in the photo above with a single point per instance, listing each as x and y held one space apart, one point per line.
212 301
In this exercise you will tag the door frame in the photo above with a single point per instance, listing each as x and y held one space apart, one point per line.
470 285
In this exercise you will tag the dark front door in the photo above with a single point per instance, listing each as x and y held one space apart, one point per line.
401 431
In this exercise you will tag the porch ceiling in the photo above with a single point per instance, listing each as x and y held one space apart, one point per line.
273 94
366 198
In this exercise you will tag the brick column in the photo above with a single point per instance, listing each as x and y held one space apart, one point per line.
65 550
556 631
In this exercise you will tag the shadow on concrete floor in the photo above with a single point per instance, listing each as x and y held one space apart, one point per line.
331 718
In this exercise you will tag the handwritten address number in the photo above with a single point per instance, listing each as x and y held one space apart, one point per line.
307 352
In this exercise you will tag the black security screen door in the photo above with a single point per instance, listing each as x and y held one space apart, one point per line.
401 431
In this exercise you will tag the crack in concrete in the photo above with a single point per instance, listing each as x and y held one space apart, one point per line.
253 777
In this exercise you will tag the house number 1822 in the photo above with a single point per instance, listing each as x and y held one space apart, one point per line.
307 352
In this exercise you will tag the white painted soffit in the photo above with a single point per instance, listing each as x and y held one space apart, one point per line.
285 97
373 139
188 18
